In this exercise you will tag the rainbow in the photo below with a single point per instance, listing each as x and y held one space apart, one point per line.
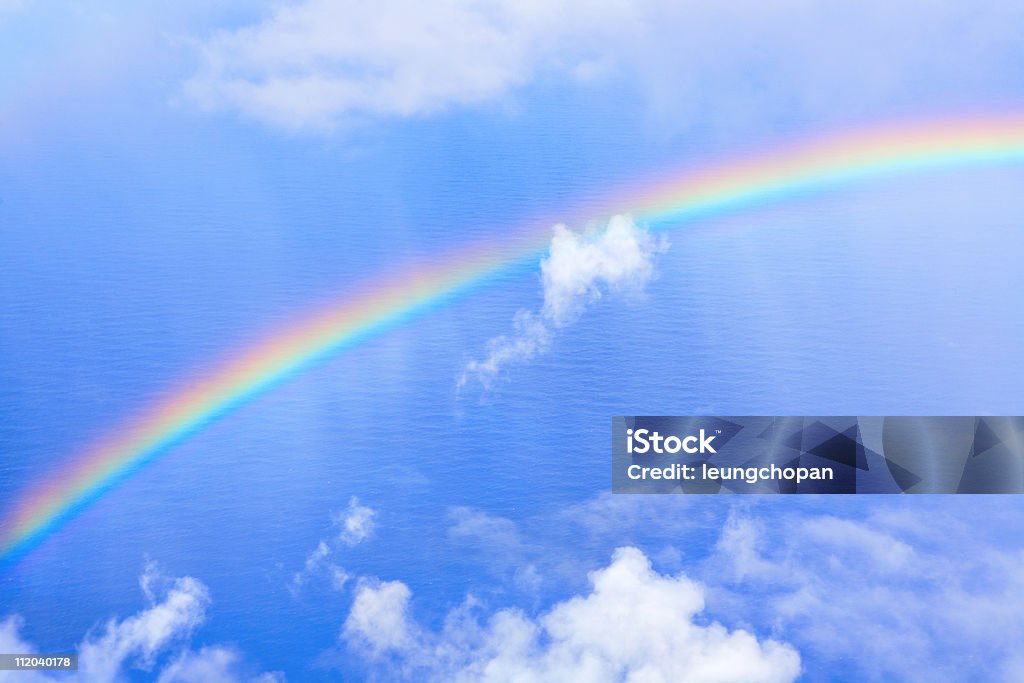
792 171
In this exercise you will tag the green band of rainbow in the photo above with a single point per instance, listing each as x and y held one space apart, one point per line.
834 161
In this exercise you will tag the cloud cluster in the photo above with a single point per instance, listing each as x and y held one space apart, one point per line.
920 593
353 525
318 64
579 269
879 590
142 636
315 64
635 624
873 591
176 608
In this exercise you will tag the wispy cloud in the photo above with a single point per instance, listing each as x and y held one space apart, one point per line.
353 525
580 268
923 594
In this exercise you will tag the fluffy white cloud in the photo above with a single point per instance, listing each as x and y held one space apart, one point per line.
617 257
316 63
579 269
379 618
900 589
177 607
634 625
140 637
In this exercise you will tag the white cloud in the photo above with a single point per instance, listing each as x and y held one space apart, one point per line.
726 65
634 624
379 618
925 586
212 665
356 523
531 338
11 642
177 607
617 257
339 577
497 543
315 64
487 530
579 269
209 665
739 541
917 605
889 553
314 562
140 637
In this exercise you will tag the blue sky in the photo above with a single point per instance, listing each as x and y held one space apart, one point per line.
176 179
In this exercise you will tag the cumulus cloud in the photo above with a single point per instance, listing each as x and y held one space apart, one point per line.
579 265
140 637
580 268
379 618
314 64
353 525
634 624
176 608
